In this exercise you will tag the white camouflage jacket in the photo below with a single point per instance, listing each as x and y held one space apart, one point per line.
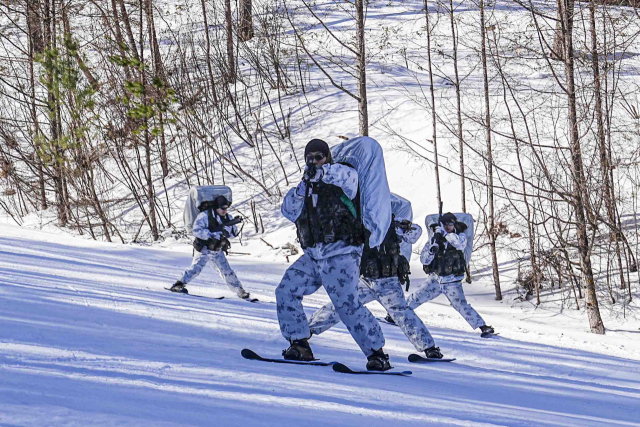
201 227
458 241
336 174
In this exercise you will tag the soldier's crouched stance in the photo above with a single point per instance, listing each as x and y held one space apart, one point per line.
443 260
331 235
211 241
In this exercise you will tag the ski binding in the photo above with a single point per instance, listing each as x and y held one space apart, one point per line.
252 355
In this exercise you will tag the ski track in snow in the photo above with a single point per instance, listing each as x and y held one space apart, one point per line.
90 337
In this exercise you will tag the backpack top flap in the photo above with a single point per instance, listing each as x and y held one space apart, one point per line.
197 195
364 154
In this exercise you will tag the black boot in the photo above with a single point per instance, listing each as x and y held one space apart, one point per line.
390 319
486 330
378 361
433 352
299 350
179 287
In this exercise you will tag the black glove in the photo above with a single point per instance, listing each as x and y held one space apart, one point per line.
434 248
405 225
224 245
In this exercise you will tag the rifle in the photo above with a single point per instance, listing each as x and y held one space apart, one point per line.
234 221
310 172
439 238
404 225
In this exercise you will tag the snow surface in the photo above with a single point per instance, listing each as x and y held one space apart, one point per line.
90 337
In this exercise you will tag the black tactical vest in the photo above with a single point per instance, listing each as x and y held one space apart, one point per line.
334 218
212 244
447 261
385 261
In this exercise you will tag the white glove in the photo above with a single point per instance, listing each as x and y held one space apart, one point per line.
453 239
439 229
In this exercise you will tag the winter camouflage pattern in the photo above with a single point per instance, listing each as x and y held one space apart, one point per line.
340 175
201 227
458 241
437 285
339 276
388 292
219 260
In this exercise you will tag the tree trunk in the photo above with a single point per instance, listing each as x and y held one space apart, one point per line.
362 74
52 106
208 51
454 38
558 39
231 62
34 25
245 30
36 46
147 144
580 187
153 39
491 227
602 144
433 106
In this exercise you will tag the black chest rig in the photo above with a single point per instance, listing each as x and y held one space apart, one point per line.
385 261
333 218
447 261
212 244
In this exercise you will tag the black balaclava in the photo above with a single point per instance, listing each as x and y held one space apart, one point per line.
449 217
318 145
221 201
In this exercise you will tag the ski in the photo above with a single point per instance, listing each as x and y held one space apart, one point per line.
252 355
416 358
344 369
489 334
192 295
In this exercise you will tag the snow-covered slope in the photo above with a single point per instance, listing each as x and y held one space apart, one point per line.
88 336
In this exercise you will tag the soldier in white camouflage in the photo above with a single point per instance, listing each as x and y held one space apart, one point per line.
331 234
212 229
443 260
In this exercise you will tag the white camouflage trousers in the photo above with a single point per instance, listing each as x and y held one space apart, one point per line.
452 290
388 292
339 276
219 260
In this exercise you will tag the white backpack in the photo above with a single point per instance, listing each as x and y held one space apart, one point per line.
198 195
365 155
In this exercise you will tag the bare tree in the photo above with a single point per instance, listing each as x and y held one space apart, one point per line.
491 230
